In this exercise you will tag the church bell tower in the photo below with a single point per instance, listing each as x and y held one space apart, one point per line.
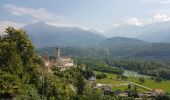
57 54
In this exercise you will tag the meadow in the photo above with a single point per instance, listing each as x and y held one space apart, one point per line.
150 83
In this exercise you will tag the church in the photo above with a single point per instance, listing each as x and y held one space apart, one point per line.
63 63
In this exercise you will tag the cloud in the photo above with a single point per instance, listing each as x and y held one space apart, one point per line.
5 24
157 17
134 21
156 1
40 14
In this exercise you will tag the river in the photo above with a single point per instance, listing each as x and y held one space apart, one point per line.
134 74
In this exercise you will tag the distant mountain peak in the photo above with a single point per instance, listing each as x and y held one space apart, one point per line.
44 35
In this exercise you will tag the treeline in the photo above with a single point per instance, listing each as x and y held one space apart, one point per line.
151 60
117 50
156 68
98 65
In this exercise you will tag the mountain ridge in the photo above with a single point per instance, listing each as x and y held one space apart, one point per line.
150 32
44 35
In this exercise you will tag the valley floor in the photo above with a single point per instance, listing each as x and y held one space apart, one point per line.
122 85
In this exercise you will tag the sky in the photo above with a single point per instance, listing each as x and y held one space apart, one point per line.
99 15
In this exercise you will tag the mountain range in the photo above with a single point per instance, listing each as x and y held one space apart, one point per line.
43 35
78 42
156 32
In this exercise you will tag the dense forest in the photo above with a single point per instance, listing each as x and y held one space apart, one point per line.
155 63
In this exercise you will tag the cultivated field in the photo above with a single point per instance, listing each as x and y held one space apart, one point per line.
119 85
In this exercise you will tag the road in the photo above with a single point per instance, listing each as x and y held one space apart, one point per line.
99 84
138 85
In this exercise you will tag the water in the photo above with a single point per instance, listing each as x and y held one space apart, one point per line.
134 74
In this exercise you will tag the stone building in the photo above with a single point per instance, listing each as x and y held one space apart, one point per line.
63 63
46 59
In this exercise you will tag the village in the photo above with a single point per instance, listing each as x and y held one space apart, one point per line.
65 63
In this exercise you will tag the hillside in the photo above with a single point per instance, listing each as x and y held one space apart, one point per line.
87 43
118 47
123 42
43 35
158 36
156 50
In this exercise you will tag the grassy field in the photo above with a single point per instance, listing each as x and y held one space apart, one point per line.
165 85
150 83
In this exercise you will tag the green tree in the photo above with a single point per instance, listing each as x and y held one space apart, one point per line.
18 61
93 94
10 61
10 85
29 92
54 88
87 73
23 43
141 80
80 84
158 79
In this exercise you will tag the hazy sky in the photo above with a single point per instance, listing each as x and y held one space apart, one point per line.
100 15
